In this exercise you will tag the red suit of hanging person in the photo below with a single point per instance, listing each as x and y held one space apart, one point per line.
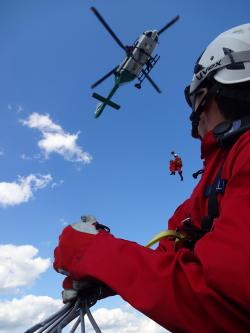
175 165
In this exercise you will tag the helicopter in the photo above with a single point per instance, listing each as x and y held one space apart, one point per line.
138 63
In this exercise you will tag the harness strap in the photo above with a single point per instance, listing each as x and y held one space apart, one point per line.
211 192
218 186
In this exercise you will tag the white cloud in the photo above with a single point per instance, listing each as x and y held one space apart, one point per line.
56 140
25 157
22 190
55 184
20 314
124 320
63 222
1 152
17 108
19 267
42 123
28 158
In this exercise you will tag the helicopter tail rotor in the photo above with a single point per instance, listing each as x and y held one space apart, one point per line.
104 102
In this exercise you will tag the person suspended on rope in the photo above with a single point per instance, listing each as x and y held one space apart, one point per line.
175 165
197 278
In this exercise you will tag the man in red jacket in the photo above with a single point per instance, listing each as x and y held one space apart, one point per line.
176 165
197 280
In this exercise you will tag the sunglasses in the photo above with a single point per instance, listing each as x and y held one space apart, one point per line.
190 98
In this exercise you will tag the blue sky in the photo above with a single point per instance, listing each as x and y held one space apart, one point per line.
114 167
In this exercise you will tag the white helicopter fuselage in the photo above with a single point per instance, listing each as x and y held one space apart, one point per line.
141 53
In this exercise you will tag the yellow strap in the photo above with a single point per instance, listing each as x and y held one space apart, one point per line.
163 234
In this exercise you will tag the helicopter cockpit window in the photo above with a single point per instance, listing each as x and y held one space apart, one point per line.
149 34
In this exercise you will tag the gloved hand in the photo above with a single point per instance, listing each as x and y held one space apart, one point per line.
72 243
72 289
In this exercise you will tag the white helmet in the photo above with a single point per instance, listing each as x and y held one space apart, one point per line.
226 59
88 219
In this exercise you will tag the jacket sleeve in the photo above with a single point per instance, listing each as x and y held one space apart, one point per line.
204 290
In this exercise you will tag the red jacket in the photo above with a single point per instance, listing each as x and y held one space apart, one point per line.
206 289
178 162
175 165
172 166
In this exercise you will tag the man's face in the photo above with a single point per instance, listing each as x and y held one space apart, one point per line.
203 123
211 115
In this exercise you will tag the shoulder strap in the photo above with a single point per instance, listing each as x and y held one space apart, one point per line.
218 186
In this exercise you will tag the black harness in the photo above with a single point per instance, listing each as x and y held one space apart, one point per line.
227 134
193 233
211 192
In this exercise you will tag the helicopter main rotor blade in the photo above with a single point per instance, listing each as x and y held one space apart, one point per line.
151 81
104 77
100 18
168 24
